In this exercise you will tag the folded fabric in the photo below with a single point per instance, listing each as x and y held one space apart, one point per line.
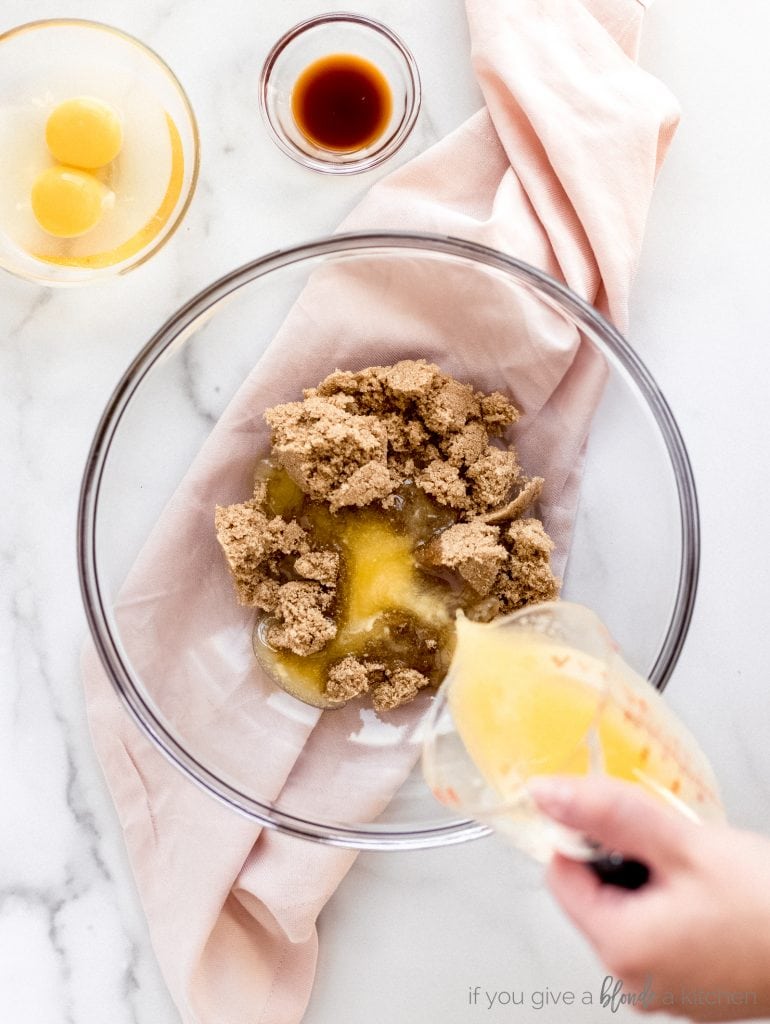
558 170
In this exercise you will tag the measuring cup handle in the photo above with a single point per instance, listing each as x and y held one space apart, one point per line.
614 869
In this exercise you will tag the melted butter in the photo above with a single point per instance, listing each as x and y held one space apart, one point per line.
381 575
284 497
524 705
388 608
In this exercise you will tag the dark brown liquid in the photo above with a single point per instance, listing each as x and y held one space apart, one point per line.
342 102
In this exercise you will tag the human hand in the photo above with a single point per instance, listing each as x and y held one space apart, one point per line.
696 937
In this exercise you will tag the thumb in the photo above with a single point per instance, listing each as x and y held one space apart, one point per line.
620 816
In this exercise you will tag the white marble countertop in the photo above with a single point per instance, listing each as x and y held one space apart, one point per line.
73 943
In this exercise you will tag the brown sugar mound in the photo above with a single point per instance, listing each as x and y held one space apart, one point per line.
447 405
358 436
428 455
322 447
466 446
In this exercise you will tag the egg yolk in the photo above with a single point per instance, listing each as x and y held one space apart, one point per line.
84 132
68 202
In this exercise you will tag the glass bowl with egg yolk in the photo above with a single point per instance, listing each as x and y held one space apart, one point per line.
98 152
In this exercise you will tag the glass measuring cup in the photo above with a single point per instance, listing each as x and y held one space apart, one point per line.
546 691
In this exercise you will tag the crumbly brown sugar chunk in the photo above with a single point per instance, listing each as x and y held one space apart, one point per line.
529 539
526 576
252 543
448 405
493 477
401 686
347 679
510 568
498 413
303 626
466 446
443 482
371 440
256 549
365 484
322 446
390 687
323 566
356 437
473 549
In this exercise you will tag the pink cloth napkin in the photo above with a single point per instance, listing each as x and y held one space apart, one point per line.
558 169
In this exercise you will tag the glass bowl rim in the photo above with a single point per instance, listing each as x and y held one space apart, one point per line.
391 145
144 255
372 837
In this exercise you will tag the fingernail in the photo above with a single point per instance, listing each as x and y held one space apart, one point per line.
553 796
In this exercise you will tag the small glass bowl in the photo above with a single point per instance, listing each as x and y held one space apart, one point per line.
44 62
321 37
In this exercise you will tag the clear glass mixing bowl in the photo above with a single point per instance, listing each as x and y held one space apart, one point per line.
633 557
